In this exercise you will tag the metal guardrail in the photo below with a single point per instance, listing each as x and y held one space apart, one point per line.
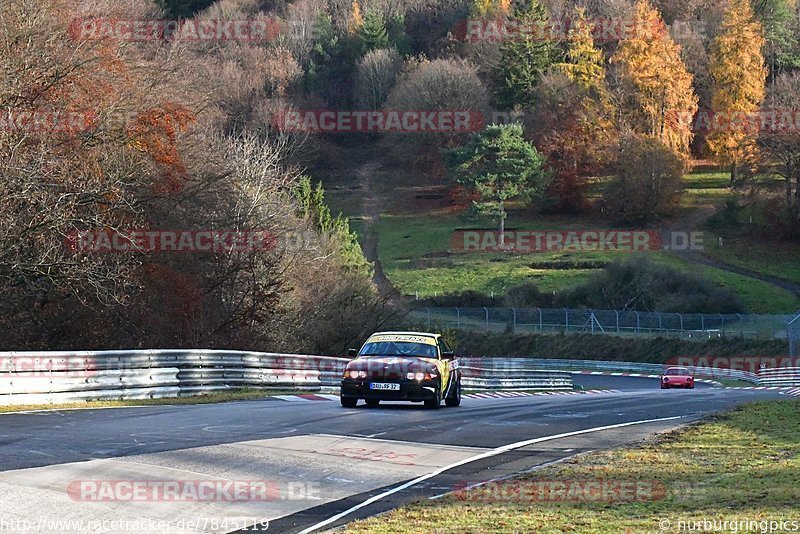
610 322
780 376
501 373
55 377
512 364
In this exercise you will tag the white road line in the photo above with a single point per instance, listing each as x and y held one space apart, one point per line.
487 454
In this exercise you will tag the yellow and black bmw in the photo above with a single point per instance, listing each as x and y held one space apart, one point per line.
402 366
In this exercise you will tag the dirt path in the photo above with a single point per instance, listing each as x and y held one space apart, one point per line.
696 220
372 214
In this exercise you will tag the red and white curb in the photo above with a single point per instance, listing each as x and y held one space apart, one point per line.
613 373
311 397
306 397
510 394
763 388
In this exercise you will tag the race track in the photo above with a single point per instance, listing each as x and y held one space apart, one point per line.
325 459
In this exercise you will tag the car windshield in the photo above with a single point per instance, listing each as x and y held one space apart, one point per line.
398 348
678 372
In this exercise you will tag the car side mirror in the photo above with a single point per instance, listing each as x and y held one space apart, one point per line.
448 355
352 353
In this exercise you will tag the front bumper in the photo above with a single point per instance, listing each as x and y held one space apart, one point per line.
677 384
410 390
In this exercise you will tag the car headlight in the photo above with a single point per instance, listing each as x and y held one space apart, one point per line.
355 374
420 376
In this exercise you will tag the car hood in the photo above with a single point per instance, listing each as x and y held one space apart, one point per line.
393 366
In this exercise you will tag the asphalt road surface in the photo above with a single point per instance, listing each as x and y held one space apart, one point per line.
328 464
620 382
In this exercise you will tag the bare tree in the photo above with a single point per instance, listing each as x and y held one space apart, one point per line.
375 76
780 137
439 84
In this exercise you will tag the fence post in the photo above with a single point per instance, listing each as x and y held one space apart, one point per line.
514 327
566 320
428 310
637 322
541 324
458 317
487 317
617 314
703 323
660 327
680 316
722 324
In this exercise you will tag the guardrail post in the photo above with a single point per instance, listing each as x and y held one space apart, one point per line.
660 328
487 317
617 314
680 316
722 324
703 323
566 320
514 326
458 317
428 310
637 322
541 325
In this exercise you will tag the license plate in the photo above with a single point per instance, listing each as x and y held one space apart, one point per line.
391 387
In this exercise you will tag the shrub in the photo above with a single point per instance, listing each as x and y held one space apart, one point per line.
638 284
649 183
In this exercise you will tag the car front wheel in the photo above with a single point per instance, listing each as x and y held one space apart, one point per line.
349 402
454 399
435 402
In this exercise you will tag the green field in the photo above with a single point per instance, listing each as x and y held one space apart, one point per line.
743 465
773 258
414 253
415 250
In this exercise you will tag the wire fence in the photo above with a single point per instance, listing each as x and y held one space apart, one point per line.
611 322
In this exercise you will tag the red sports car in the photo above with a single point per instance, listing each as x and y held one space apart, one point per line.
677 377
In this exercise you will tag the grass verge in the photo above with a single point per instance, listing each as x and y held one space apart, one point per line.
741 465
211 398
